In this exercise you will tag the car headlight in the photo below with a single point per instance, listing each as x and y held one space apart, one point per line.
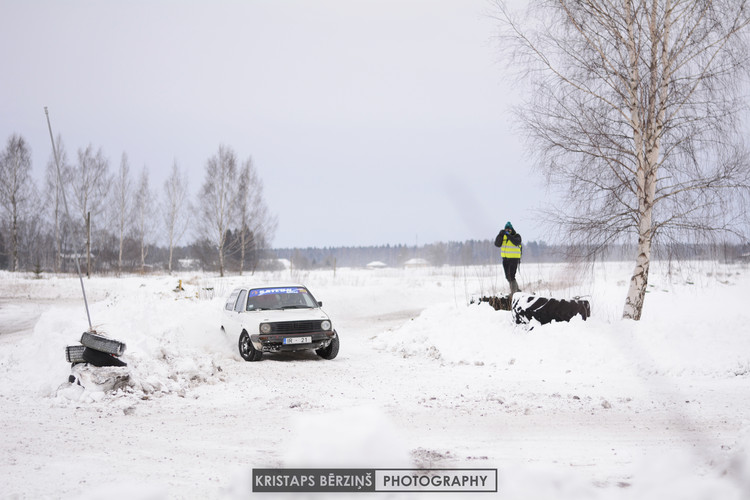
325 325
265 328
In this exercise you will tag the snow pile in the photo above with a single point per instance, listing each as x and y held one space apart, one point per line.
163 355
679 335
479 335
450 333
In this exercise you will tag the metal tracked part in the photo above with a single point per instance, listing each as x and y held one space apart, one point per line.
102 343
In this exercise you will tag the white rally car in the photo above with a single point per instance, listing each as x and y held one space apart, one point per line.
278 318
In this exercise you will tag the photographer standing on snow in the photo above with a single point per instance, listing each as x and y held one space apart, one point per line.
509 242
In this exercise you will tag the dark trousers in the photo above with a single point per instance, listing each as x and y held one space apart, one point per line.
510 266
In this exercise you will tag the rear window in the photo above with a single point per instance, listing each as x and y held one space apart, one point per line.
232 300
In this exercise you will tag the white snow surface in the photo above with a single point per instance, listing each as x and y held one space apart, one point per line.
603 408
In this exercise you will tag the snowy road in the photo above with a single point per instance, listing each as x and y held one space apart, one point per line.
562 412
18 317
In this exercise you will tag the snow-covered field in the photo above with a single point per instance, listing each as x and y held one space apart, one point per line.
602 408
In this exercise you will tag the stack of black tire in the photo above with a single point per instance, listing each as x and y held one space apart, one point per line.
97 350
501 303
545 310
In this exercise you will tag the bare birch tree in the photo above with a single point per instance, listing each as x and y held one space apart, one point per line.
634 113
175 208
246 178
217 198
122 194
90 185
90 181
256 224
15 190
143 219
32 232
54 187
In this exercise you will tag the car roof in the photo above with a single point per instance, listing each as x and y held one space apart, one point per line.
274 285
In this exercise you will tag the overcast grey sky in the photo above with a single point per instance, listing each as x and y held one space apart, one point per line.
369 121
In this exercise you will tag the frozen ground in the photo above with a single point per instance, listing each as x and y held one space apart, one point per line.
598 409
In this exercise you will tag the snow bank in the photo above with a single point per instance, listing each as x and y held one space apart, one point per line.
686 332
173 342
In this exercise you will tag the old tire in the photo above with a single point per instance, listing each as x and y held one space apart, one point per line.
74 354
331 351
545 309
247 351
99 358
102 343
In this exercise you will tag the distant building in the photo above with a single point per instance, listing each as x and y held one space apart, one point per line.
416 262
189 264
275 264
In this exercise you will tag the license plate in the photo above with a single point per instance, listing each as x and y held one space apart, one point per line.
297 340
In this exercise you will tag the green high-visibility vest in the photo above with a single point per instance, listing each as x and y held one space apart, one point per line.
508 250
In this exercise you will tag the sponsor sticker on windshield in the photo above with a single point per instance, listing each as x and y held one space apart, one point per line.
266 291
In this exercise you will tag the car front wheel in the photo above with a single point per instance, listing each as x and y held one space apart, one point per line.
247 351
331 351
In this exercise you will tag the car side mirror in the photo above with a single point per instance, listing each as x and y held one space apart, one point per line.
320 303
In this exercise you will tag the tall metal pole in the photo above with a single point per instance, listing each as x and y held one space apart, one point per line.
67 213
88 244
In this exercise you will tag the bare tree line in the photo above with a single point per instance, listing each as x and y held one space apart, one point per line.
118 221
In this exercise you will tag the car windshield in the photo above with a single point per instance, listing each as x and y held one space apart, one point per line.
280 298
